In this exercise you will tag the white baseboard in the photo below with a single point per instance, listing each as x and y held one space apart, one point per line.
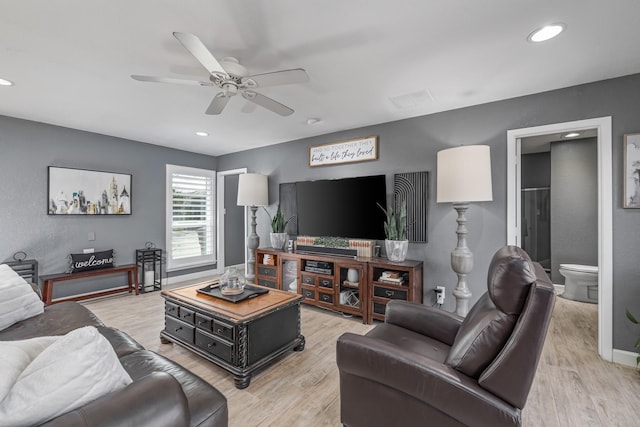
624 357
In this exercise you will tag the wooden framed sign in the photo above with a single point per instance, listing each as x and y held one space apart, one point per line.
351 151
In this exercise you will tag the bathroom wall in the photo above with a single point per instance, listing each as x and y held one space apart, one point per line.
574 204
536 170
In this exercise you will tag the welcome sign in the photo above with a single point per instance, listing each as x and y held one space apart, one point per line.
351 151
91 261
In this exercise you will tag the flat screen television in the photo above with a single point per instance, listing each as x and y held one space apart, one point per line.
345 207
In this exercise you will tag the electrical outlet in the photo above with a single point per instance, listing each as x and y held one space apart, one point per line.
440 294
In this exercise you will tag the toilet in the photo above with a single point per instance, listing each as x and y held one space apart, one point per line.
580 282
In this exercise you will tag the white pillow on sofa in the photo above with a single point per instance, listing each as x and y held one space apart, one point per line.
18 301
50 376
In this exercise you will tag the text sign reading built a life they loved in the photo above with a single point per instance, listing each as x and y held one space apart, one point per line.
354 150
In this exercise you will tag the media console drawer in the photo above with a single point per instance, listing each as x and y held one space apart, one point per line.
325 297
309 293
379 291
267 271
268 283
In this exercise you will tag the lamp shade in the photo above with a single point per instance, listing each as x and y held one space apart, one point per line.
464 174
252 190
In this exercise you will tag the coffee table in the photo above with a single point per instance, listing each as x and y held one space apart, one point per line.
239 337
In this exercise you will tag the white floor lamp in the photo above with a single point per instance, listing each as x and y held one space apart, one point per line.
464 175
252 192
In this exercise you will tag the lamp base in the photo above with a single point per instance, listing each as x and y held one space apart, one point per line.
462 261
253 242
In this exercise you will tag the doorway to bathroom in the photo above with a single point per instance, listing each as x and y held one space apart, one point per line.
601 128
559 205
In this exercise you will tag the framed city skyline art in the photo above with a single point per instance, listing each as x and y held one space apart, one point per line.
88 192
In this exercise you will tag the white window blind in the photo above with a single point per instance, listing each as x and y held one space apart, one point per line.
190 217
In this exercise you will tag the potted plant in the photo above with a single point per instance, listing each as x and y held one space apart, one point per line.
278 225
395 230
633 320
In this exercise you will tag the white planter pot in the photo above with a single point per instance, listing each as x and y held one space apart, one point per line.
396 249
278 240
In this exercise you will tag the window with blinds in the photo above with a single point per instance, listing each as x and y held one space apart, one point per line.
190 217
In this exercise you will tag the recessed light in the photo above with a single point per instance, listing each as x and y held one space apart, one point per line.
572 135
4 82
547 32
313 121
202 134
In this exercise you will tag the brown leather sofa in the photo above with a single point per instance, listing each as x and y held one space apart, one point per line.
425 366
162 393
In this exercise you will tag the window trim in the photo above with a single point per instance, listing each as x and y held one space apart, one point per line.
197 261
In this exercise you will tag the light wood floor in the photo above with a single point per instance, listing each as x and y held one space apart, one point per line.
573 386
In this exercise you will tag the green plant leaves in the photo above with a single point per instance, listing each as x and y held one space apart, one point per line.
395 227
278 223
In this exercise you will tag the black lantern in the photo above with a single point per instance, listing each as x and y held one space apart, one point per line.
149 261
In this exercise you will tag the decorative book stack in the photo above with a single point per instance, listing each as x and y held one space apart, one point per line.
391 277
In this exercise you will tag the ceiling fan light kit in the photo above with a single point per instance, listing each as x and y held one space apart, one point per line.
232 78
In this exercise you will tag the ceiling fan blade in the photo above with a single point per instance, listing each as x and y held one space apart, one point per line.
218 104
248 107
194 45
267 103
285 77
170 80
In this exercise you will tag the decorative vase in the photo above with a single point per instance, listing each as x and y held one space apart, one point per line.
352 275
278 240
396 249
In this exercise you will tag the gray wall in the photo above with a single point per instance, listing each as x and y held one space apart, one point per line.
405 146
27 148
574 204
411 145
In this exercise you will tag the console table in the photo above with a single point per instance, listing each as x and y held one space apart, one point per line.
49 280
324 280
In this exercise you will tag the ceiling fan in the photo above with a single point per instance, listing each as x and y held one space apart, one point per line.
230 76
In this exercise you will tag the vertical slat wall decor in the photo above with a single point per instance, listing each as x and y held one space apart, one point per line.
414 188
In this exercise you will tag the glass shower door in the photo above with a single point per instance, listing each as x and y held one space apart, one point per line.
536 224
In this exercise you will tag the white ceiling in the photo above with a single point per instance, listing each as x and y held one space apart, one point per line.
71 61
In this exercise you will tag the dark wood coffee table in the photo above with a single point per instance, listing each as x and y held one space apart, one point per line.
239 337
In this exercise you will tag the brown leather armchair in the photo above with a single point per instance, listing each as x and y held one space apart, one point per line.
426 366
